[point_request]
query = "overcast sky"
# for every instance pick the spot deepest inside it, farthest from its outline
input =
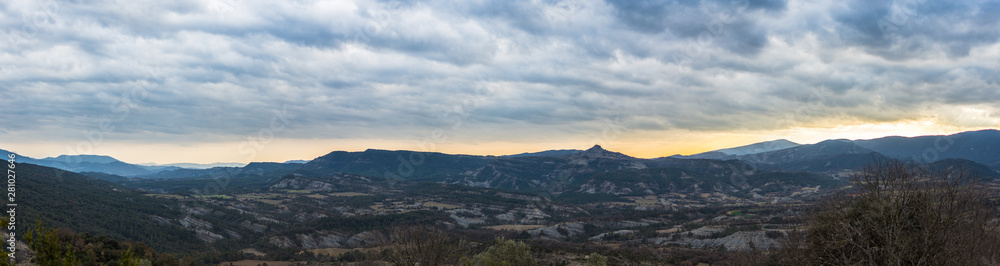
(240, 80)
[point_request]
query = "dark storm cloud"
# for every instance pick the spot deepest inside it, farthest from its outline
(647, 16)
(728, 24)
(220, 69)
(901, 30)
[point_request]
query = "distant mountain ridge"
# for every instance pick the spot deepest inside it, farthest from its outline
(732, 153)
(979, 146)
(89, 163)
(109, 165)
(195, 165)
(982, 147)
(826, 163)
(537, 174)
(548, 153)
(760, 147)
(100, 159)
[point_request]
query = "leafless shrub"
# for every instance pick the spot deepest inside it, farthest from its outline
(898, 214)
(750, 257)
(421, 246)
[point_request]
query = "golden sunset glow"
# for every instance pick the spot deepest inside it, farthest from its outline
(642, 146)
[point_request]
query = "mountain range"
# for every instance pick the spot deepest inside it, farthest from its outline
(978, 146)
(110, 165)
(196, 165)
(597, 170)
(333, 200)
(830, 156)
(91, 163)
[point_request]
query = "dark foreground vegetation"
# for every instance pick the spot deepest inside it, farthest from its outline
(898, 214)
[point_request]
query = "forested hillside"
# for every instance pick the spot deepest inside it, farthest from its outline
(88, 205)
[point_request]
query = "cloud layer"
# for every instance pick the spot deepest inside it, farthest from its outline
(496, 71)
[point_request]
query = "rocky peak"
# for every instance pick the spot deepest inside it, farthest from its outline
(598, 152)
(596, 148)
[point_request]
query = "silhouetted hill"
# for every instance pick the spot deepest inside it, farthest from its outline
(172, 166)
(115, 167)
(714, 155)
(83, 158)
(978, 146)
(548, 153)
(828, 155)
(760, 147)
(733, 153)
(393, 164)
(950, 165)
(87, 163)
(597, 152)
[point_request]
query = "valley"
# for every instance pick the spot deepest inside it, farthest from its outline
(344, 207)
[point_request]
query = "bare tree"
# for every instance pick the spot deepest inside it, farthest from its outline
(899, 214)
(421, 246)
(750, 257)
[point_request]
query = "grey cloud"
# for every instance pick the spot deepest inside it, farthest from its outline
(901, 30)
(725, 23)
(646, 16)
(768, 5)
(743, 38)
(398, 69)
(520, 14)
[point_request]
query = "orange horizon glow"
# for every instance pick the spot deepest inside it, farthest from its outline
(636, 144)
